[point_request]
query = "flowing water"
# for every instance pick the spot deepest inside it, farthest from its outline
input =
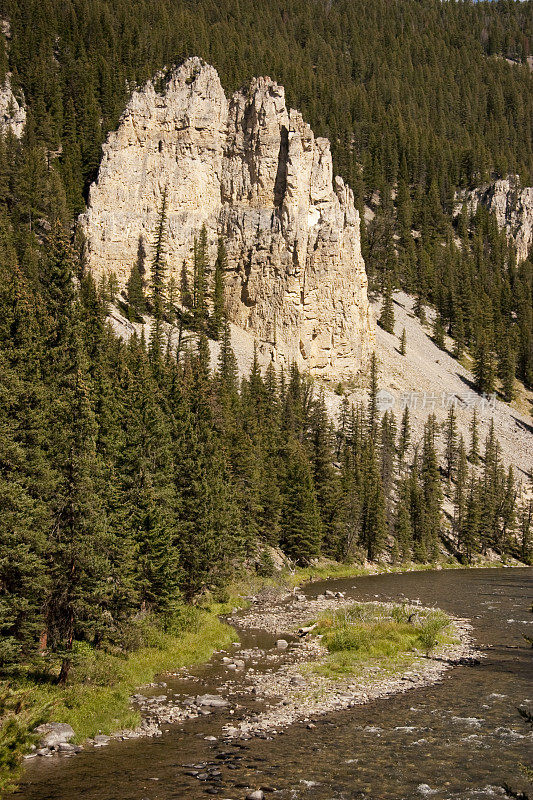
(461, 738)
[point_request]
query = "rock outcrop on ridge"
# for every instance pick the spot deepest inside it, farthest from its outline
(253, 172)
(12, 113)
(513, 206)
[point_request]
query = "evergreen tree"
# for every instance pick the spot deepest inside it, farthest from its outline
(506, 371)
(158, 278)
(484, 367)
(451, 444)
(386, 319)
(431, 519)
(471, 531)
(438, 332)
(200, 279)
(403, 343)
(135, 287)
(403, 531)
(373, 509)
(474, 439)
(460, 496)
(221, 265)
(405, 436)
(373, 398)
(300, 532)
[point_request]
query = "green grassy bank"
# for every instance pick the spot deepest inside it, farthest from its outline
(369, 635)
(96, 700)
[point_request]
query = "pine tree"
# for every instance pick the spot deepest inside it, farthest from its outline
(458, 333)
(26, 480)
(525, 524)
(460, 495)
(419, 309)
(403, 531)
(506, 371)
(227, 363)
(158, 276)
(484, 367)
(405, 436)
(403, 343)
(451, 444)
(135, 287)
(430, 529)
(200, 281)
(324, 477)
(217, 317)
(373, 509)
(388, 454)
(473, 455)
(438, 332)
(186, 299)
(373, 395)
(471, 530)
(300, 532)
(386, 319)
(77, 552)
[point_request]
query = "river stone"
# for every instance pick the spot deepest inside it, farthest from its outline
(257, 795)
(212, 701)
(54, 733)
(66, 747)
(282, 644)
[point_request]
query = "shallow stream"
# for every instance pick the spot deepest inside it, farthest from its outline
(461, 738)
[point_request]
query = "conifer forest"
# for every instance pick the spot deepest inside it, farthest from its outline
(141, 477)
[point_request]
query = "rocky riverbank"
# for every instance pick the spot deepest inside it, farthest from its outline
(283, 681)
(296, 691)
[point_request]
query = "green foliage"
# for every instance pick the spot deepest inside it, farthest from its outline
(372, 631)
(217, 317)
(403, 343)
(17, 719)
(133, 479)
(386, 319)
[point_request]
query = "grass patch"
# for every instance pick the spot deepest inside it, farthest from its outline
(96, 700)
(378, 636)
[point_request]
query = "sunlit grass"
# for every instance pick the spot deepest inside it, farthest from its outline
(378, 637)
(96, 700)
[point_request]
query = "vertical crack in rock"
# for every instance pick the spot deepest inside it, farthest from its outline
(280, 184)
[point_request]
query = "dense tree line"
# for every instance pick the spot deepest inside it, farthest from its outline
(134, 475)
(466, 269)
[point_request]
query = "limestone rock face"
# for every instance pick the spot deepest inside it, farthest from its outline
(513, 207)
(253, 172)
(12, 113)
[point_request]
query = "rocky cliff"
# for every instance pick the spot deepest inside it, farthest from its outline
(513, 207)
(253, 172)
(12, 113)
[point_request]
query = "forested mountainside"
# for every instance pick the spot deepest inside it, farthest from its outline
(132, 478)
(419, 99)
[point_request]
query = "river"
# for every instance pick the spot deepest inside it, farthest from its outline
(461, 738)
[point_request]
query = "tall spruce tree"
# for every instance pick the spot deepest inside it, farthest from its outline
(217, 317)
(386, 319)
